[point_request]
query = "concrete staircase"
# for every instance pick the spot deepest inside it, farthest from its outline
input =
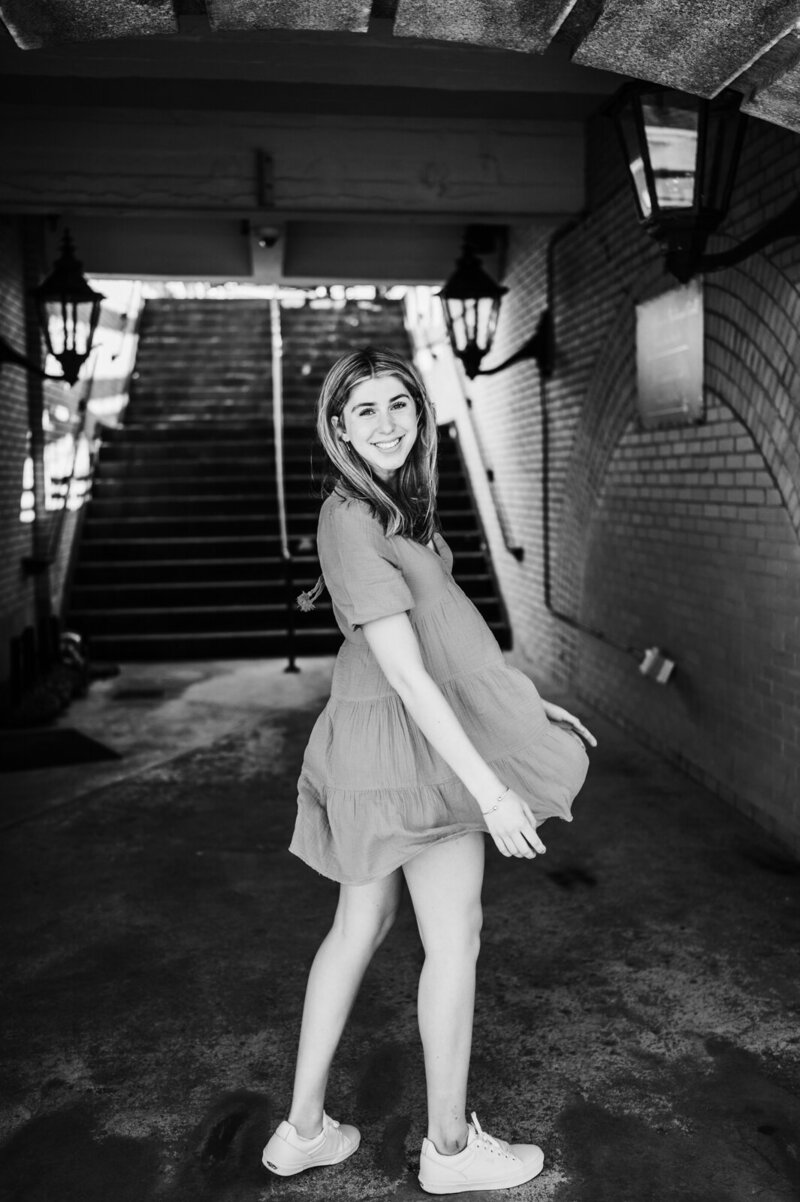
(180, 552)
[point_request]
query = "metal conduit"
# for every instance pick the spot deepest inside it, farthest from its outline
(280, 487)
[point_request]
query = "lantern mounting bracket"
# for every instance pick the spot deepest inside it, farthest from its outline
(9, 354)
(684, 249)
(540, 347)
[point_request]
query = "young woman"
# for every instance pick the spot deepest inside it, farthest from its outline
(429, 741)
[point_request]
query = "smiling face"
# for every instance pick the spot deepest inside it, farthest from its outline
(379, 421)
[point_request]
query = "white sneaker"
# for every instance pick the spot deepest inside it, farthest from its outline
(287, 1152)
(486, 1163)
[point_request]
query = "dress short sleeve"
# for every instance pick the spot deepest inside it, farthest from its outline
(360, 566)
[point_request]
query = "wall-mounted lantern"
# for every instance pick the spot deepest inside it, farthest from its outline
(682, 152)
(471, 300)
(68, 310)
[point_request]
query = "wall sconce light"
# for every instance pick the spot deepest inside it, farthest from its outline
(68, 310)
(471, 300)
(682, 152)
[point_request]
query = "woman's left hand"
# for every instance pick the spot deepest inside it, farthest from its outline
(557, 713)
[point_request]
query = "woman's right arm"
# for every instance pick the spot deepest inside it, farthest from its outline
(395, 647)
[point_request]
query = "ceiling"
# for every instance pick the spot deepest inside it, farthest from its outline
(429, 114)
(497, 54)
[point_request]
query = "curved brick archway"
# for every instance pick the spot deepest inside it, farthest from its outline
(607, 409)
(752, 343)
(752, 340)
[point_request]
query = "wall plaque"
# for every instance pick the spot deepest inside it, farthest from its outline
(669, 357)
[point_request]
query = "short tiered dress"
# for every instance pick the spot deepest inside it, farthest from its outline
(373, 792)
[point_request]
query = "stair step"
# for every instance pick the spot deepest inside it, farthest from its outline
(195, 350)
(199, 620)
(214, 331)
(110, 573)
(181, 522)
(138, 460)
(224, 395)
(147, 573)
(177, 619)
(268, 589)
(302, 487)
(132, 597)
(232, 645)
(186, 374)
(179, 429)
(100, 550)
(180, 555)
(133, 473)
(243, 546)
(184, 305)
(215, 493)
(165, 414)
(152, 508)
(164, 441)
(201, 455)
(269, 644)
(165, 488)
(200, 407)
(213, 335)
(206, 435)
(135, 431)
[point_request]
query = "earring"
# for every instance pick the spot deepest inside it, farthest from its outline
(345, 438)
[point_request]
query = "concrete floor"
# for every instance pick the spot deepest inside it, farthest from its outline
(638, 1002)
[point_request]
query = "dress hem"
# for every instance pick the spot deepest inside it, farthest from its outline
(404, 859)
(470, 830)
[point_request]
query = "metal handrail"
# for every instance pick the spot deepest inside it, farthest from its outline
(511, 545)
(485, 543)
(280, 480)
(66, 482)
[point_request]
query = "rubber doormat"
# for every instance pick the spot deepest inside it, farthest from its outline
(24, 750)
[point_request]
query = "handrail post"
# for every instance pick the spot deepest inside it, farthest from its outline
(280, 487)
(57, 532)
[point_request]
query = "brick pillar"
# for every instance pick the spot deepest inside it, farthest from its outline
(33, 260)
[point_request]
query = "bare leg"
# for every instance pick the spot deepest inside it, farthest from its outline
(363, 917)
(445, 886)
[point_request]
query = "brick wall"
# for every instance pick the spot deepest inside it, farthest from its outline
(16, 592)
(25, 601)
(705, 563)
(686, 538)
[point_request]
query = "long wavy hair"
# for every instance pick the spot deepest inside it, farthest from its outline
(408, 507)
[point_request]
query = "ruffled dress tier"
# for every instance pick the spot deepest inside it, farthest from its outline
(373, 792)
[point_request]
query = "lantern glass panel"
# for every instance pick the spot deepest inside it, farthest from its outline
(48, 322)
(454, 317)
(67, 325)
(486, 322)
(469, 308)
(473, 322)
(628, 132)
(671, 128)
(725, 126)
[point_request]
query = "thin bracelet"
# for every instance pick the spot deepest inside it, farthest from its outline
(496, 805)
